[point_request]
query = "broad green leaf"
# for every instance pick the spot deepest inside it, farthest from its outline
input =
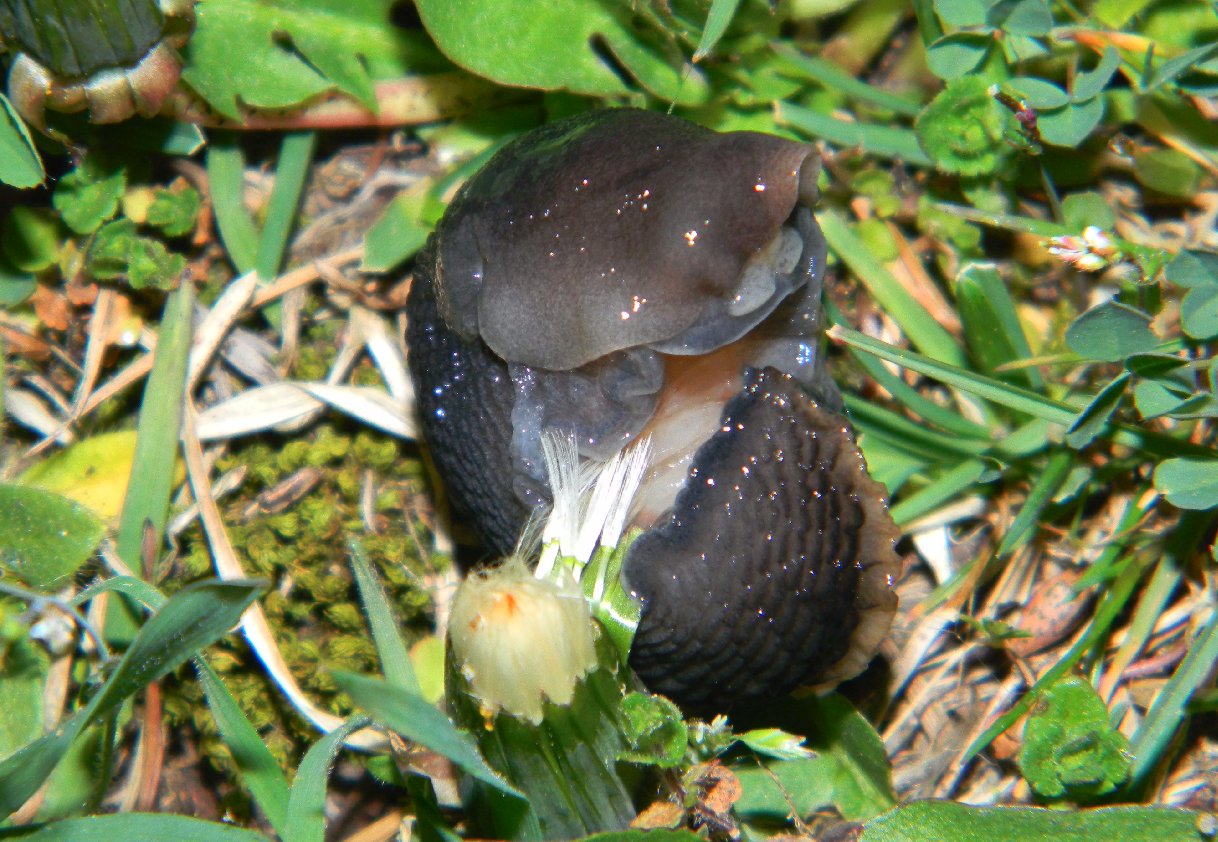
(44, 537)
(558, 45)
(88, 195)
(1039, 93)
(1168, 171)
(288, 52)
(947, 820)
(412, 717)
(23, 672)
(1154, 398)
(1188, 483)
(959, 53)
(260, 772)
(395, 659)
(776, 743)
(1093, 418)
(1199, 312)
(1071, 124)
(1091, 83)
(20, 165)
(962, 12)
(152, 266)
(30, 238)
(655, 730)
(1193, 268)
(849, 770)
(174, 211)
(110, 252)
(1110, 331)
(15, 285)
(963, 128)
(1021, 17)
(193, 618)
(306, 816)
(134, 827)
(1069, 744)
(1080, 210)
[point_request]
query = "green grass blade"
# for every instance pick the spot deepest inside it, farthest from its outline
(948, 485)
(717, 20)
(295, 154)
(135, 827)
(226, 180)
(1039, 496)
(835, 79)
(923, 331)
(1005, 221)
(156, 448)
(306, 815)
(909, 435)
(395, 659)
(260, 773)
(991, 324)
(416, 720)
(881, 141)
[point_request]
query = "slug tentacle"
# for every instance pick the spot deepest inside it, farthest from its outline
(622, 274)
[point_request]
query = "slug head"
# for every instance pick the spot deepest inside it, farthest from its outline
(623, 228)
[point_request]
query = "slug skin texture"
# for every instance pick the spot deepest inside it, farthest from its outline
(622, 274)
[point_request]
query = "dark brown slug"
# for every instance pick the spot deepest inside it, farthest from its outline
(623, 274)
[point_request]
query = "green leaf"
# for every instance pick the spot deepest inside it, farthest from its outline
(1091, 83)
(44, 537)
(849, 771)
(288, 52)
(306, 819)
(259, 771)
(1111, 331)
(15, 286)
(130, 827)
(88, 195)
(191, 619)
(110, 251)
(717, 20)
(295, 153)
(655, 730)
(991, 323)
(962, 128)
(1199, 312)
(558, 45)
(962, 12)
(1039, 93)
(23, 672)
(1093, 418)
(1069, 744)
(395, 660)
(1071, 124)
(645, 836)
(946, 820)
(20, 165)
(1193, 268)
(399, 233)
(174, 211)
(1021, 17)
(30, 238)
(412, 717)
(776, 743)
(1154, 398)
(152, 266)
(1080, 210)
(1169, 70)
(954, 55)
(1188, 483)
(1168, 171)
(881, 141)
(226, 177)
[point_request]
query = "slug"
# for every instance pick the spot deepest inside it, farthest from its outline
(621, 274)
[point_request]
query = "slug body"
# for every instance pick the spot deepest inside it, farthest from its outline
(623, 274)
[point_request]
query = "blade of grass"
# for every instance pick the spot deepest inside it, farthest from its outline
(991, 323)
(717, 20)
(295, 153)
(881, 141)
(923, 331)
(1044, 486)
(260, 773)
(1014, 397)
(947, 485)
(395, 659)
(1116, 597)
(156, 445)
(306, 813)
(909, 435)
(835, 79)
(1008, 222)
(226, 182)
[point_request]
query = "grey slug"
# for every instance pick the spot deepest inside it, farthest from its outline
(623, 273)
